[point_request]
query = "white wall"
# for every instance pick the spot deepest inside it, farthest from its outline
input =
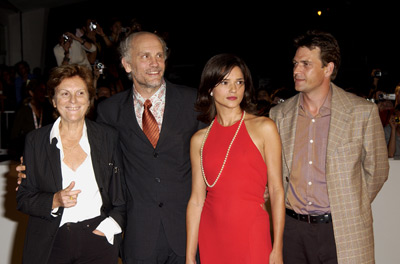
(386, 212)
(12, 222)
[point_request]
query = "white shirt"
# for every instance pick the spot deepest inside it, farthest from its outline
(89, 201)
(77, 54)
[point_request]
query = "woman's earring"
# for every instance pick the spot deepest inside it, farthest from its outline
(211, 94)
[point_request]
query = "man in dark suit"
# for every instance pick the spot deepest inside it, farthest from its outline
(158, 172)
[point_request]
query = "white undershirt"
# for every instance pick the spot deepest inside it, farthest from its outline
(89, 201)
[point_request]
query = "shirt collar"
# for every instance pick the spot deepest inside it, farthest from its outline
(55, 133)
(326, 106)
(159, 95)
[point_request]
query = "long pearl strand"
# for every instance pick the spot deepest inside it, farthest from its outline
(227, 153)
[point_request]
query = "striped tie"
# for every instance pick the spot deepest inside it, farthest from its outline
(150, 126)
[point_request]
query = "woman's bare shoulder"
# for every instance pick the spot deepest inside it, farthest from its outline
(198, 137)
(260, 122)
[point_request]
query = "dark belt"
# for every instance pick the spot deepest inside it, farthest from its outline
(89, 223)
(311, 219)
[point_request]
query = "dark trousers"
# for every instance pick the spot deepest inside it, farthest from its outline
(163, 254)
(75, 244)
(305, 243)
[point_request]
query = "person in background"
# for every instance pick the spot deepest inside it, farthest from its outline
(103, 92)
(397, 93)
(116, 32)
(334, 159)
(112, 60)
(7, 84)
(74, 186)
(392, 133)
(93, 33)
(72, 49)
(22, 79)
(263, 102)
(385, 106)
(135, 25)
(231, 160)
(34, 113)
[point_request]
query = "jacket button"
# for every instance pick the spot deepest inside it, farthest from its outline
(155, 155)
(160, 205)
(158, 180)
(287, 179)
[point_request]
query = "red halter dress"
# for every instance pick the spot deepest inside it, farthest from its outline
(234, 228)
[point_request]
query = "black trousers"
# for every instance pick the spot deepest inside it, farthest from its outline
(305, 243)
(76, 244)
(163, 254)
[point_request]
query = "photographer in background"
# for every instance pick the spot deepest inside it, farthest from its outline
(71, 49)
(397, 94)
(380, 94)
(392, 134)
(94, 34)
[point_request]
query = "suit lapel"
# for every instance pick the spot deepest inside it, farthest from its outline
(340, 117)
(128, 118)
(53, 157)
(287, 127)
(171, 112)
(95, 142)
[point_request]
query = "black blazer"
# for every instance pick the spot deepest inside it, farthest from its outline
(44, 179)
(158, 180)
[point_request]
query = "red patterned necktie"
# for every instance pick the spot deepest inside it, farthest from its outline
(149, 123)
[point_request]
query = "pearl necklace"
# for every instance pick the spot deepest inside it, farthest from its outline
(227, 152)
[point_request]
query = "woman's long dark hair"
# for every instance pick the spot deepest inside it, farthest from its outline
(213, 73)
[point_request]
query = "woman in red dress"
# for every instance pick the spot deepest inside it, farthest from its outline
(226, 215)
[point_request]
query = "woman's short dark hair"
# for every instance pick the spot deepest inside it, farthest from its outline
(59, 74)
(213, 73)
(327, 44)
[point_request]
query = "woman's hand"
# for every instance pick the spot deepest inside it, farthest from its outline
(190, 261)
(67, 197)
(276, 257)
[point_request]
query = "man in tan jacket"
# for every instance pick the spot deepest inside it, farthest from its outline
(334, 160)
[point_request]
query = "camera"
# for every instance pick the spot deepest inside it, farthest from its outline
(99, 66)
(397, 120)
(377, 74)
(387, 97)
(93, 25)
(66, 38)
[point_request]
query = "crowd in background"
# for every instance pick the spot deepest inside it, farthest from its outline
(23, 91)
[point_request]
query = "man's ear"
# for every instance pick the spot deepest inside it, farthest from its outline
(126, 65)
(329, 68)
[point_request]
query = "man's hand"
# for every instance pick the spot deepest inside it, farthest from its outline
(266, 194)
(97, 232)
(21, 175)
(392, 121)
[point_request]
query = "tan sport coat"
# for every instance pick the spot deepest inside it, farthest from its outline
(356, 167)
